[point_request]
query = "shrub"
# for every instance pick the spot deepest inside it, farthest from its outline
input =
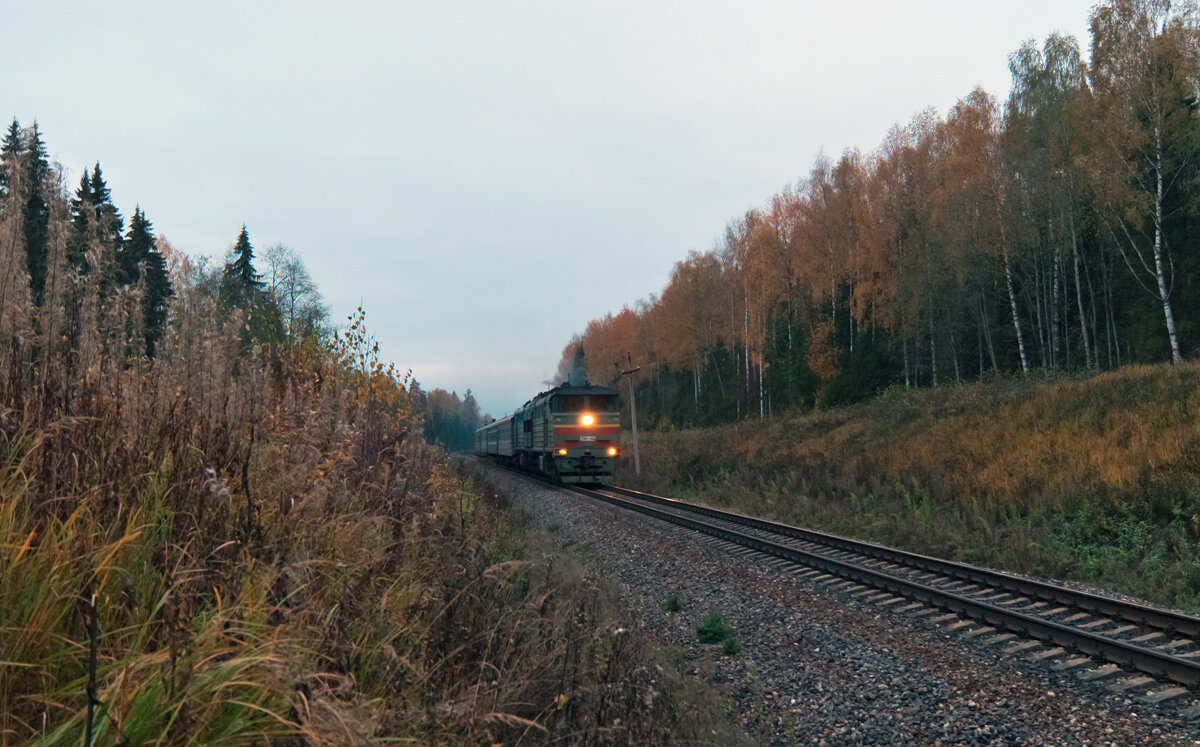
(732, 646)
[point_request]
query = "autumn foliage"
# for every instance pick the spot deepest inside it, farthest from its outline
(1050, 234)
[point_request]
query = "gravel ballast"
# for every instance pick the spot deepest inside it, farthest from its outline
(820, 666)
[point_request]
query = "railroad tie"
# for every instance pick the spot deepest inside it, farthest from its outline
(1191, 711)
(1030, 607)
(995, 598)
(1017, 648)
(1100, 672)
(1167, 694)
(1174, 644)
(1095, 624)
(1048, 654)
(1072, 663)
(1121, 686)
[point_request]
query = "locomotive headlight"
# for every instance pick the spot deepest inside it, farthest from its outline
(612, 450)
(587, 419)
(562, 452)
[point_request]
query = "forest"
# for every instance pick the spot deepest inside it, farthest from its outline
(449, 421)
(1050, 234)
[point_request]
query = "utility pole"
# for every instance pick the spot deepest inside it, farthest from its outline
(637, 460)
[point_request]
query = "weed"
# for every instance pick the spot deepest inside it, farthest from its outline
(713, 629)
(673, 653)
(671, 604)
(732, 646)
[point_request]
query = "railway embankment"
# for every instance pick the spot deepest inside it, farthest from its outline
(814, 663)
(1095, 479)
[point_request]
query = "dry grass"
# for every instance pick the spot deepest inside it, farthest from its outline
(256, 547)
(1097, 478)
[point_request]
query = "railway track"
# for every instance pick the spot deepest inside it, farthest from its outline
(1077, 627)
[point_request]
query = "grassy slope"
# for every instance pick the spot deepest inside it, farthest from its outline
(1096, 479)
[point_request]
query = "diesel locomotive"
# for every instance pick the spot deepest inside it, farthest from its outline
(571, 433)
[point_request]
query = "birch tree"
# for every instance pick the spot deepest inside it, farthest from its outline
(1144, 75)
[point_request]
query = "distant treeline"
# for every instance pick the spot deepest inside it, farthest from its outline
(1055, 233)
(449, 420)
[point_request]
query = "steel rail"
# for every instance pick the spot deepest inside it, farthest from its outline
(1164, 620)
(1145, 659)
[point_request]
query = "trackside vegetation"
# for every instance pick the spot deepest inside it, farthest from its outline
(220, 522)
(1092, 478)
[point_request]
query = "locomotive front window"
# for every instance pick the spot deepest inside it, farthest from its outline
(575, 403)
(585, 403)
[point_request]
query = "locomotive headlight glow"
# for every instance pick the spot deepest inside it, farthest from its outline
(612, 450)
(562, 452)
(587, 419)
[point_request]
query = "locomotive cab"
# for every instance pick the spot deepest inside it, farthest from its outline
(586, 425)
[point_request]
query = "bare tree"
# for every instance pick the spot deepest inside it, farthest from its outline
(293, 289)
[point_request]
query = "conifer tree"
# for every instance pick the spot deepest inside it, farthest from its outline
(138, 241)
(140, 259)
(154, 302)
(36, 212)
(240, 283)
(10, 155)
(243, 287)
(111, 224)
(82, 208)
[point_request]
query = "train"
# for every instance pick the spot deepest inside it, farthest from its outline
(570, 433)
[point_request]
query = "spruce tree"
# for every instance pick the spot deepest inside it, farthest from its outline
(154, 302)
(140, 258)
(10, 155)
(137, 244)
(110, 222)
(36, 213)
(94, 215)
(82, 209)
(240, 284)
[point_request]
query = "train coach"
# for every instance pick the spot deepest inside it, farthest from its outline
(571, 433)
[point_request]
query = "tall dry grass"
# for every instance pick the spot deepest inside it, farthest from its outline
(247, 543)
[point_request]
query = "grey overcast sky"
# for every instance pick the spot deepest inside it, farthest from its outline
(485, 177)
